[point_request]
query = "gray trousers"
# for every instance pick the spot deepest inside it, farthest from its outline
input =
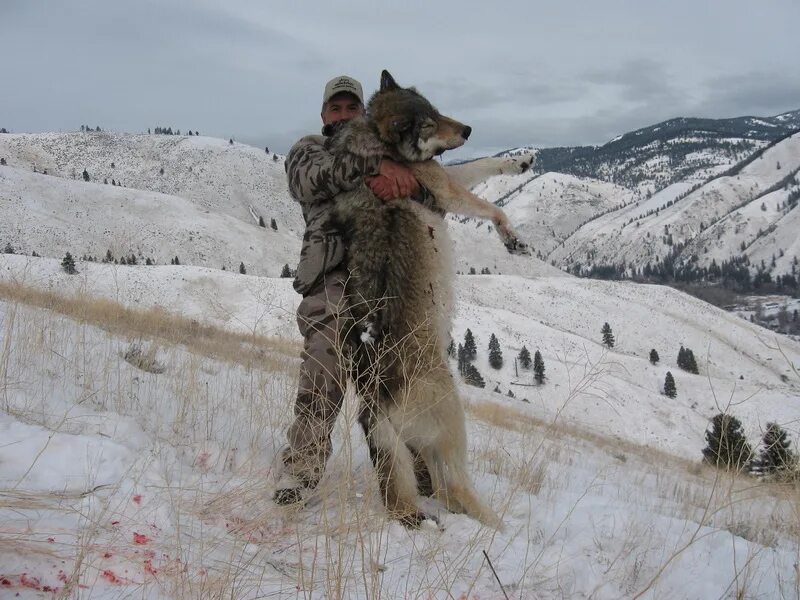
(324, 321)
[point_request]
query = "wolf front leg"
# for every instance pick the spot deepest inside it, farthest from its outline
(454, 198)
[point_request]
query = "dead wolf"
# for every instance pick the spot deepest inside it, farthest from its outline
(400, 291)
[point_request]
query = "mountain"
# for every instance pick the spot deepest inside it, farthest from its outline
(687, 193)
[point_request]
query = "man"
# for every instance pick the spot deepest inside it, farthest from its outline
(315, 178)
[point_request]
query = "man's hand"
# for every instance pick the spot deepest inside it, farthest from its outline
(393, 181)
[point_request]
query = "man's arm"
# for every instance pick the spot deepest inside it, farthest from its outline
(317, 175)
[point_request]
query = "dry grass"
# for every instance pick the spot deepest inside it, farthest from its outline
(157, 323)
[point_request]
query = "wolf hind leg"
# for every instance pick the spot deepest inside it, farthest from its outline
(394, 465)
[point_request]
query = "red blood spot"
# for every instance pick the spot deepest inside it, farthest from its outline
(5, 581)
(109, 576)
(137, 498)
(115, 522)
(51, 540)
(29, 582)
(107, 555)
(149, 553)
(62, 576)
(148, 567)
(47, 588)
(140, 538)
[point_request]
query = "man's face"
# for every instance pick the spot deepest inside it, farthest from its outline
(341, 107)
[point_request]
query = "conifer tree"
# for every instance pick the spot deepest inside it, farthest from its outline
(495, 354)
(524, 358)
(538, 367)
(86, 175)
(3, 161)
(776, 455)
(177, 262)
(608, 335)
(109, 258)
(691, 363)
(286, 271)
(669, 386)
(470, 348)
(9, 249)
(472, 376)
(461, 359)
(261, 222)
(727, 447)
(274, 224)
(654, 358)
(68, 264)
(451, 349)
(242, 270)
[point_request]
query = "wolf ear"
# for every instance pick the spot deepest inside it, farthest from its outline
(387, 82)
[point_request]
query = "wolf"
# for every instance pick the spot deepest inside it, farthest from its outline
(400, 293)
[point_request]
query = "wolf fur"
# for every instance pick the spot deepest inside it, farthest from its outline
(400, 290)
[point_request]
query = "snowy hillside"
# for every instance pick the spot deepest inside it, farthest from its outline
(645, 233)
(52, 216)
(152, 477)
(214, 174)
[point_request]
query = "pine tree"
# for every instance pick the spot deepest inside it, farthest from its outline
(669, 386)
(470, 348)
(68, 264)
(177, 262)
(274, 158)
(261, 222)
(654, 356)
(524, 358)
(109, 258)
(161, 171)
(85, 175)
(495, 354)
(682, 358)
(538, 367)
(776, 455)
(230, 141)
(727, 447)
(461, 359)
(451, 349)
(274, 224)
(286, 271)
(608, 336)
(473, 377)
(9, 249)
(3, 161)
(242, 270)
(691, 363)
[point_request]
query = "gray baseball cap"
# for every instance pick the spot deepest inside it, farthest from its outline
(340, 84)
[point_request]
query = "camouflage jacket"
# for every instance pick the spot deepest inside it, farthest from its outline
(316, 176)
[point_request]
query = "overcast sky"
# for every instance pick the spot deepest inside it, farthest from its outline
(520, 72)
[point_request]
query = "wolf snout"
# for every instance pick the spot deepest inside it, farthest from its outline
(466, 131)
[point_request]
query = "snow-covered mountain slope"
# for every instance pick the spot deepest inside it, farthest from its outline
(52, 216)
(157, 482)
(216, 175)
(546, 209)
(561, 316)
(153, 480)
(643, 234)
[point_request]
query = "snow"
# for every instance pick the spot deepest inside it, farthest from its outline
(122, 481)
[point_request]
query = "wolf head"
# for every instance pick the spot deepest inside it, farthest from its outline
(409, 123)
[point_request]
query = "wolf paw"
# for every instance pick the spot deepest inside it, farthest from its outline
(416, 519)
(514, 245)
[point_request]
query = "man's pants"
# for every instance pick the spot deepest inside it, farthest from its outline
(324, 321)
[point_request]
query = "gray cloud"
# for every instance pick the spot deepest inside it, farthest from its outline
(565, 73)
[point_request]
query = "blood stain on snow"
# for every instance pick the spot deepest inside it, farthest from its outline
(148, 567)
(140, 538)
(137, 499)
(111, 577)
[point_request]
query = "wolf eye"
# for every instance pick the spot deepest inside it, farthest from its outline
(428, 126)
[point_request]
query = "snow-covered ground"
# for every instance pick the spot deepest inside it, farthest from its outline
(121, 477)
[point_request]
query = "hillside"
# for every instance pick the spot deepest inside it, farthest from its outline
(153, 477)
(647, 232)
